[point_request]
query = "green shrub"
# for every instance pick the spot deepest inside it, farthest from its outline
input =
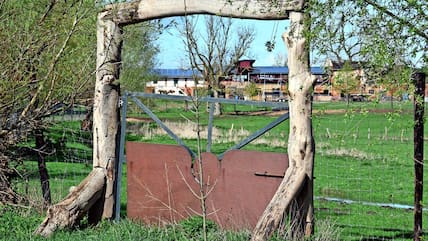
(193, 226)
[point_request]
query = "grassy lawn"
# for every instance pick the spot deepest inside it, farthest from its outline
(363, 169)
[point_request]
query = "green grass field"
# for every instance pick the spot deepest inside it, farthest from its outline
(363, 170)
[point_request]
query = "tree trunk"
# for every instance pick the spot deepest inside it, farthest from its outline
(75, 205)
(297, 185)
(43, 171)
(106, 110)
(95, 194)
(7, 194)
(217, 106)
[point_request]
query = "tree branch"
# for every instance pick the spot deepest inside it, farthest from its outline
(410, 25)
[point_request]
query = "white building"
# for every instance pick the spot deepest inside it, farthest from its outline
(173, 80)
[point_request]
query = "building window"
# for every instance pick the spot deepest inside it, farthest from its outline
(175, 81)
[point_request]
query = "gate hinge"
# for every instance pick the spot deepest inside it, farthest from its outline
(120, 103)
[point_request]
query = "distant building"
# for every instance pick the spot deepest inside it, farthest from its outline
(360, 87)
(271, 81)
(172, 79)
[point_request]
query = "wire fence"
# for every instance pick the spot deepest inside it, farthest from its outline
(66, 153)
(364, 169)
(364, 166)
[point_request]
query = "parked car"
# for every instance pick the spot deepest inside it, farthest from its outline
(358, 98)
(280, 99)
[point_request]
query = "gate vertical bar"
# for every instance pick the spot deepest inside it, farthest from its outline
(418, 132)
(210, 127)
(121, 156)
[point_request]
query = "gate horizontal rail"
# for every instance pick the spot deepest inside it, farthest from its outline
(208, 99)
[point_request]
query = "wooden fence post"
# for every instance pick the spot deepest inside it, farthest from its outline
(418, 132)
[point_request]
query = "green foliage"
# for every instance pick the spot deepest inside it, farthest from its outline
(14, 217)
(381, 33)
(47, 62)
(47, 59)
(193, 226)
(388, 38)
(346, 80)
(47, 52)
(251, 90)
(138, 55)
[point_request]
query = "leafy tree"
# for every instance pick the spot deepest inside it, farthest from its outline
(47, 61)
(336, 32)
(346, 81)
(383, 34)
(251, 89)
(392, 38)
(139, 51)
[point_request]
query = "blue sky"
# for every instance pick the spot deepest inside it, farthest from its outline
(171, 46)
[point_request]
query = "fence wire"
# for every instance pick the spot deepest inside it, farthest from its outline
(67, 152)
(365, 170)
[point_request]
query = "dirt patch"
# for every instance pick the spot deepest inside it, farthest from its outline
(139, 119)
(276, 113)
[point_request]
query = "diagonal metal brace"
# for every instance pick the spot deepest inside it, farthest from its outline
(163, 126)
(256, 134)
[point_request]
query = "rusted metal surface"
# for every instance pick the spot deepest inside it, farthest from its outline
(160, 179)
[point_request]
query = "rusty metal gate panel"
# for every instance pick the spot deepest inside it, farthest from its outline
(160, 178)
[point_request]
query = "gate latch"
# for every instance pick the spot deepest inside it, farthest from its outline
(268, 174)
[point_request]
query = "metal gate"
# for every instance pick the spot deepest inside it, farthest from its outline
(159, 181)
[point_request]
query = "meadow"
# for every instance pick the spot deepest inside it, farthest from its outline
(363, 170)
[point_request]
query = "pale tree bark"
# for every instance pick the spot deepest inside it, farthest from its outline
(295, 193)
(132, 12)
(95, 194)
(75, 205)
(106, 109)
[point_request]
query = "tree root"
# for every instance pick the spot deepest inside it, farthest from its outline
(288, 191)
(75, 205)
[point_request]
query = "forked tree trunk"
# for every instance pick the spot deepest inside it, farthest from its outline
(295, 193)
(95, 194)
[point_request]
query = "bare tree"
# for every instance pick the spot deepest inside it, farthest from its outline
(215, 52)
